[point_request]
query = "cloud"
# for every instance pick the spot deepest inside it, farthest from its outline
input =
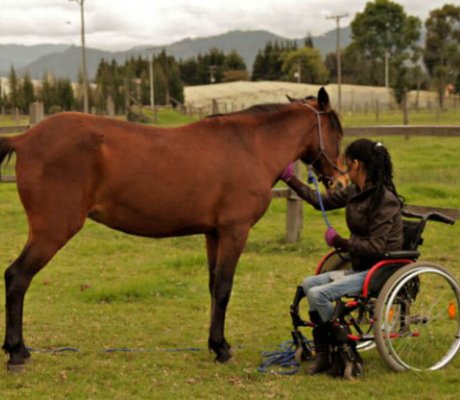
(121, 24)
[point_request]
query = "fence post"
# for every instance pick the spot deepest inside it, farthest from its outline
(110, 106)
(294, 213)
(36, 113)
(214, 107)
(377, 110)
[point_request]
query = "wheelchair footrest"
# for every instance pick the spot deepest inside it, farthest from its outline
(360, 338)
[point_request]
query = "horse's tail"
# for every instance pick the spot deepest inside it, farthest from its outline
(6, 150)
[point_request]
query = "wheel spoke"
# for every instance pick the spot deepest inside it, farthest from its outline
(417, 330)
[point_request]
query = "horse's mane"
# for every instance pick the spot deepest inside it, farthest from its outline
(253, 110)
(271, 107)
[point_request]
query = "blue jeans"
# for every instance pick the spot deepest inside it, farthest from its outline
(322, 290)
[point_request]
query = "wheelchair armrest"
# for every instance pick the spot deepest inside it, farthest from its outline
(393, 255)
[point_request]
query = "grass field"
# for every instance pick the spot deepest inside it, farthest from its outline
(422, 117)
(109, 290)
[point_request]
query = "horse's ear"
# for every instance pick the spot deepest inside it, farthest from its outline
(291, 100)
(323, 99)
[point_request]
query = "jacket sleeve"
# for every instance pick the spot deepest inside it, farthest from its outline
(380, 225)
(334, 199)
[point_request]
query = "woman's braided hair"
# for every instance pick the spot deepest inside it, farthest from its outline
(379, 167)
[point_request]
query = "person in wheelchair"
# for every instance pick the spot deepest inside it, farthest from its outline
(373, 216)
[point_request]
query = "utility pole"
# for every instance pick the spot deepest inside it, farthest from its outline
(152, 91)
(81, 3)
(212, 70)
(387, 55)
(339, 64)
(387, 74)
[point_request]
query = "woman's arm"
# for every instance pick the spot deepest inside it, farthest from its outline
(332, 200)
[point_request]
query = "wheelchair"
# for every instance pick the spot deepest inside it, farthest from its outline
(408, 309)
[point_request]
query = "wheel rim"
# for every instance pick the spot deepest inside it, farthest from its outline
(423, 332)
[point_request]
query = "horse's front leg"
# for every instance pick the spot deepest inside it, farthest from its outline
(230, 245)
(212, 243)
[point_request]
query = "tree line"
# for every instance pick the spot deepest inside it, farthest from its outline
(127, 83)
(384, 37)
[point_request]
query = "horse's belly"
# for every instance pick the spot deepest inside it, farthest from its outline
(154, 221)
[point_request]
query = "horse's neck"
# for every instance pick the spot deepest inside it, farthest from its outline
(284, 140)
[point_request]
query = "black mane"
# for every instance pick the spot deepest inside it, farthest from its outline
(253, 110)
(270, 107)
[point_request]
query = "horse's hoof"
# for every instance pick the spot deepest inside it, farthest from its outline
(224, 355)
(223, 358)
(15, 368)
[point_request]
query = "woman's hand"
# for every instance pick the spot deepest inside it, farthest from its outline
(288, 172)
(333, 239)
(330, 236)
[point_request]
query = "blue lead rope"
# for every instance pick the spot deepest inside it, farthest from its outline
(281, 362)
(112, 350)
(312, 179)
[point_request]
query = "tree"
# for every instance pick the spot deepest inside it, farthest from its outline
(269, 61)
(442, 47)
(176, 88)
(308, 41)
(189, 71)
(401, 87)
(331, 63)
(214, 65)
(14, 95)
(308, 61)
(358, 69)
(56, 94)
(64, 94)
(28, 92)
(383, 27)
(46, 92)
(234, 62)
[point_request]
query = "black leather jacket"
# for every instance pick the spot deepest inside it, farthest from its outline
(371, 233)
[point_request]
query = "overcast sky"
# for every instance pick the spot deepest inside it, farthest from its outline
(122, 24)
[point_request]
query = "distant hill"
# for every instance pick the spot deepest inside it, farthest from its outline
(64, 61)
(20, 55)
(67, 64)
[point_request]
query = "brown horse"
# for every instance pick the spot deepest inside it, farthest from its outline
(212, 177)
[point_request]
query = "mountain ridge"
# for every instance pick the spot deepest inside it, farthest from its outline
(64, 60)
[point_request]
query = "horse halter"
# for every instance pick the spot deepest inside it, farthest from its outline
(322, 151)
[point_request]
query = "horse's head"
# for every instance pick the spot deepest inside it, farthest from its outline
(323, 151)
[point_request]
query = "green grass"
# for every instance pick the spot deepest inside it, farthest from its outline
(10, 120)
(109, 290)
(421, 117)
(169, 117)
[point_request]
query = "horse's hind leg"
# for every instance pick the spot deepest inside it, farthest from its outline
(230, 246)
(18, 276)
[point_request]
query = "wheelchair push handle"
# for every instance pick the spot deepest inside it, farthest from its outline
(431, 216)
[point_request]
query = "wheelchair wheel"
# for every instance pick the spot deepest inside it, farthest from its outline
(417, 322)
